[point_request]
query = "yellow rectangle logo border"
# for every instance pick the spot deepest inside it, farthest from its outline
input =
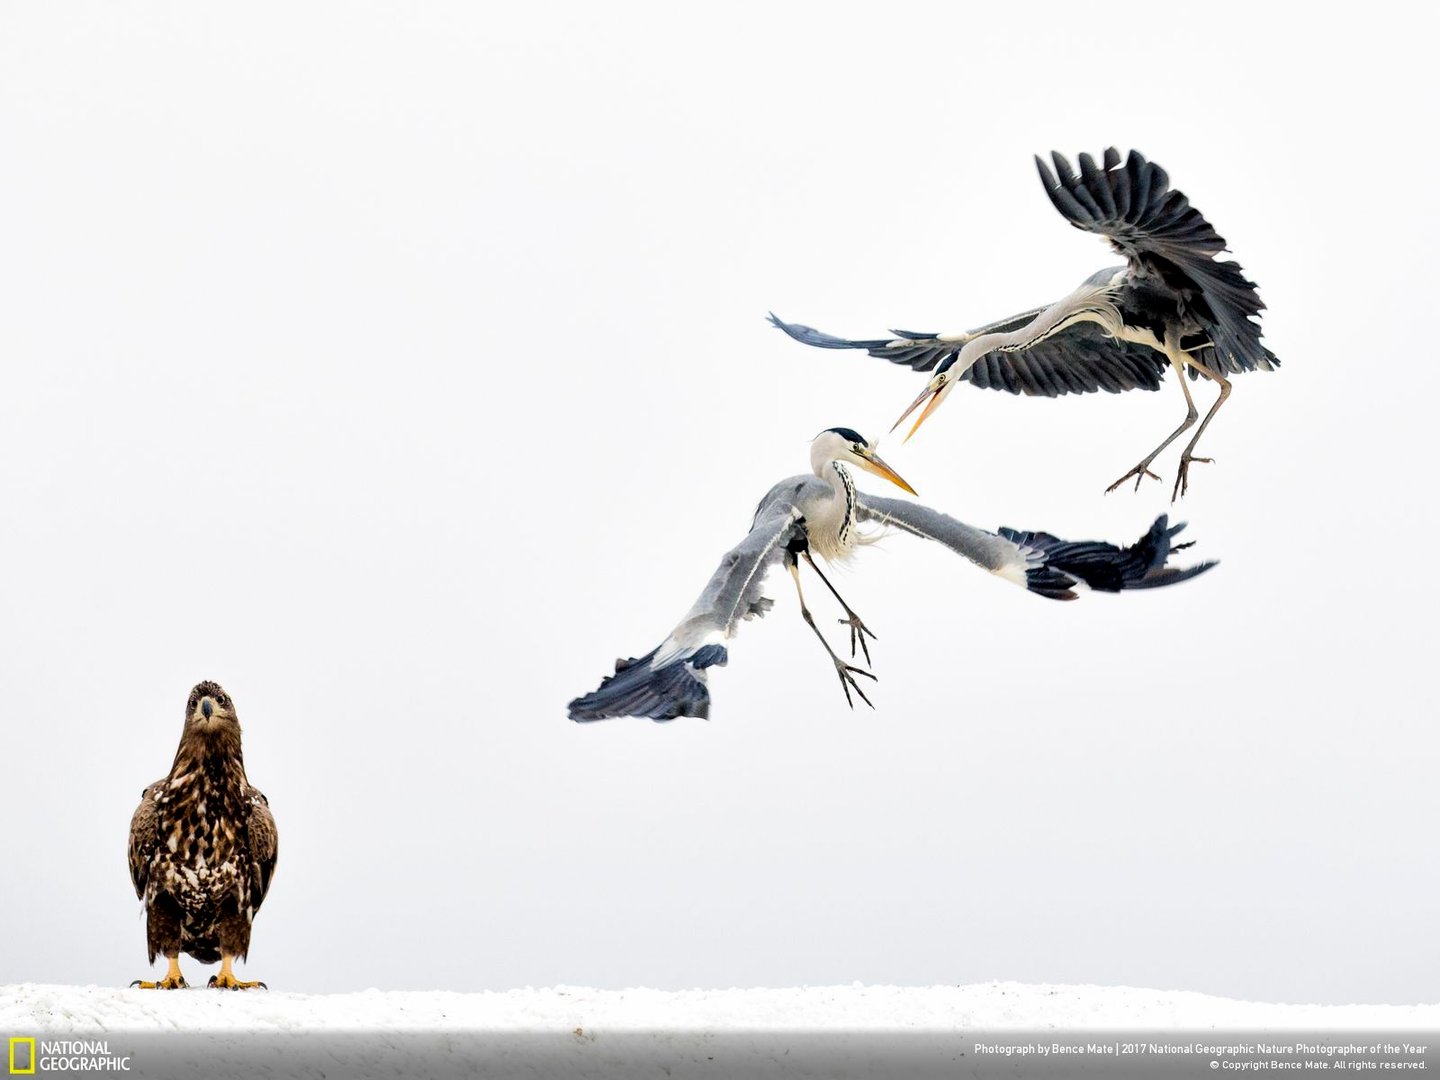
(14, 1041)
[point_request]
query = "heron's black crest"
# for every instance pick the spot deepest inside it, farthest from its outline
(849, 434)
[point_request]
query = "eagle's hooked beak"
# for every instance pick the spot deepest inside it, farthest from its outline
(207, 706)
(931, 392)
(870, 461)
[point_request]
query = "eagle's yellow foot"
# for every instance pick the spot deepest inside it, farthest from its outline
(230, 982)
(226, 979)
(173, 980)
(177, 983)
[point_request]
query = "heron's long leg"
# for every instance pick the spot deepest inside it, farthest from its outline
(1178, 361)
(858, 629)
(1182, 478)
(846, 672)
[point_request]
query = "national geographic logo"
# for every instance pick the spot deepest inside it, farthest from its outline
(62, 1055)
(22, 1055)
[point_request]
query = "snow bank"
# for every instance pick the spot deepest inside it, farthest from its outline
(999, 1029)
(990, 1006)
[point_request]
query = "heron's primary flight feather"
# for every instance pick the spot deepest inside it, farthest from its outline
(1166, 239)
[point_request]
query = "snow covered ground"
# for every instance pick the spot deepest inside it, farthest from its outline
(573, 1031)
(59, 1009)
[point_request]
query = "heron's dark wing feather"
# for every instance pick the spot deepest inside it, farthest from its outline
(1044, 564)
(922, 352)
(264, 846)
(1108, 568)
(1079, 359)
(1167, 241)
(670, 680)
(144, 836)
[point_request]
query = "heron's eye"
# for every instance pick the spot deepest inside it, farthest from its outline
(859, 448)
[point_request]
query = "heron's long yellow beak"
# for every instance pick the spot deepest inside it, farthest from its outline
(928, 392)
(872, 463)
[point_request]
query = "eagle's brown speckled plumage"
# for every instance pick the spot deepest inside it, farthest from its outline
(203, 842)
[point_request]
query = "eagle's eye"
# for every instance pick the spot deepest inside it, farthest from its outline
(222, 700)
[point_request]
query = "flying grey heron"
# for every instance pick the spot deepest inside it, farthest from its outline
(822, 513)
(1175, 304)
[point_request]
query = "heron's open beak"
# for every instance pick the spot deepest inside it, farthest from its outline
(871, 463)
(928, 392)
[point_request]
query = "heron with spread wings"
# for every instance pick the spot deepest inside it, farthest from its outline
(823, 513)
(1174, 304)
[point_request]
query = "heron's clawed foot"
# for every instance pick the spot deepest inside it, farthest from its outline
(1182, 477)
(1139, 472)
(847, 673)
(858, 631)
(175, 982)
(228, 981)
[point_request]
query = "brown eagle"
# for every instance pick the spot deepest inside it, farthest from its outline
(203, 847)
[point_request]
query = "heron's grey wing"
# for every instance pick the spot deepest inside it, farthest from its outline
(921, 352)
(1079, 359)
(670, 680)
(144, 836)
(1166, 240)
(264, 847)
(1042, 563)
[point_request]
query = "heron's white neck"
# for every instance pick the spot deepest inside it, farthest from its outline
(837, 475)
(835, 531)
(1089, 303)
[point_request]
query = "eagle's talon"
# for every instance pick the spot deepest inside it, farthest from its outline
(168, 983)
(226, 980)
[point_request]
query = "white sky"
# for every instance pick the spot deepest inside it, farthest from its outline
(401, 368)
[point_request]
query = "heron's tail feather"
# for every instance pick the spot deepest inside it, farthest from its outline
(675, 688)
(1103, 567)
